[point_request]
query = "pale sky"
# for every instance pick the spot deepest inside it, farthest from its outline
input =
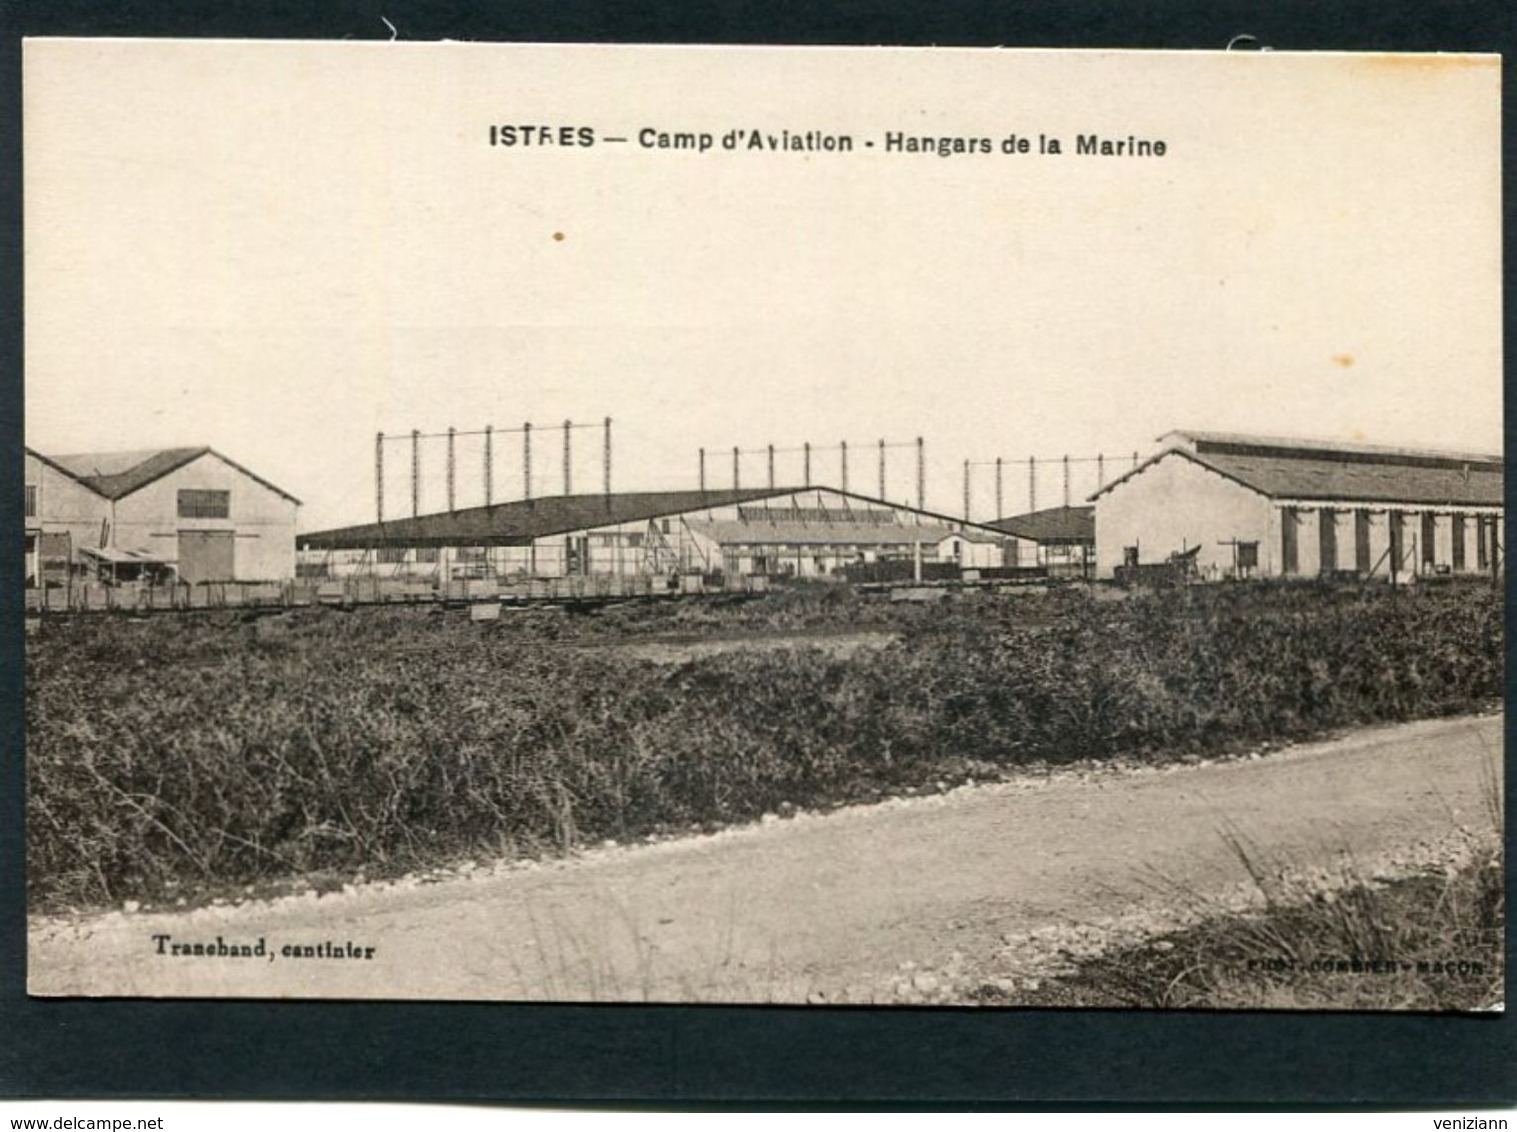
(281, 249)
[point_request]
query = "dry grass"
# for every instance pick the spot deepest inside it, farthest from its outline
(170, 758)
(1341, 940)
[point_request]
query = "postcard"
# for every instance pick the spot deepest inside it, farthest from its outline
(825, 526)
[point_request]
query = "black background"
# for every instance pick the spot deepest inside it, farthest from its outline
(700, 1056)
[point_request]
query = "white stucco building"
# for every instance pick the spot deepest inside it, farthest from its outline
(191, 511)
(1249, 506)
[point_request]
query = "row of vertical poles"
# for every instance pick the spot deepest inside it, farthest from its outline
(806, 481)
(488, 478)
(1065, 462)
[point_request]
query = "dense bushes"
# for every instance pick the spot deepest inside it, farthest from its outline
(173, 755)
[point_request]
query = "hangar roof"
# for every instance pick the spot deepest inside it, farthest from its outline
(116, 475)
(1244, 443)
(1312, 470)
(520, 521)
(1056, 526)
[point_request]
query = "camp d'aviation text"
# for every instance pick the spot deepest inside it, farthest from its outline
(821, 141)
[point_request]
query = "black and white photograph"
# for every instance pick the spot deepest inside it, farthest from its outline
(893, 527)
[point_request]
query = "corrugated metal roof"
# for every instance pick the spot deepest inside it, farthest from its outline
(1236, 443)
(1325, 479)
(520, 521)
(116, 475)
(1053, 525)
(732, 532)
(1410, 478)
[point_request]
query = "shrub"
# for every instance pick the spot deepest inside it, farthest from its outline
(175, 754)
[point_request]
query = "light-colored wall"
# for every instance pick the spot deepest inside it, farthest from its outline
(1443, 550)
(262, 519)
(1308, 545)
(65, 505)
(1309, 553)
(969, 554)
(1175, 504)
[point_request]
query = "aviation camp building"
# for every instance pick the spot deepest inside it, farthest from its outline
(1250, 506)
(1058, 540)
(806, 532)
(185, 513)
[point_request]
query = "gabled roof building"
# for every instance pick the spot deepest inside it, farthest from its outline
(808, 532)
(191, 511)
(1252, 506)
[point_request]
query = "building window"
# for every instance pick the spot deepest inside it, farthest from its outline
(1248, 556)
(1482, 544)
(31, 501)
(200, 503)
(392, 555)
(426, 554)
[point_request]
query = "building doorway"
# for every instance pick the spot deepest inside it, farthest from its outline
(1327, 528)
(207, 556)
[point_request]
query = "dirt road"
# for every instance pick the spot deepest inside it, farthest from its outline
(849, 906)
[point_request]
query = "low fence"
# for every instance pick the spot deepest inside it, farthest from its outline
(88, 597)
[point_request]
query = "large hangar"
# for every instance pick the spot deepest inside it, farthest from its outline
(800, 532)
(1250, 506)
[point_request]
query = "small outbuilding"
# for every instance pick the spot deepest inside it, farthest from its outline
(1060, 540)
